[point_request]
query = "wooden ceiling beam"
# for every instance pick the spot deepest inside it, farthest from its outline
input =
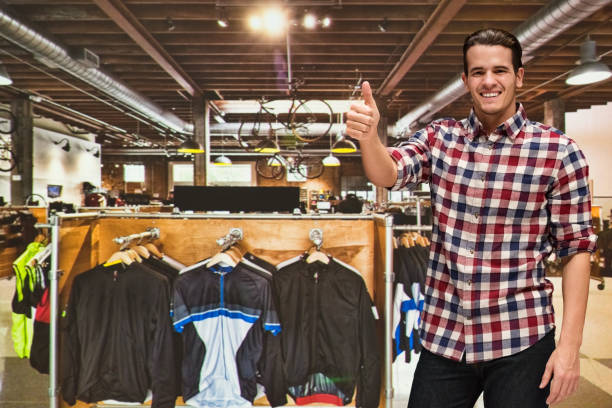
(122, 16)
(442, 15)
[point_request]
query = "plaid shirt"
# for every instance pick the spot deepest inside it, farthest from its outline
(502, 203)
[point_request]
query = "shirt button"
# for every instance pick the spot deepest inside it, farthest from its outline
(469, 282)
(482, 178)
(490, 146)
(476, 216)
(471, 252)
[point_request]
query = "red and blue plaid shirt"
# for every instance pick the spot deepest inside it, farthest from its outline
(502, 203)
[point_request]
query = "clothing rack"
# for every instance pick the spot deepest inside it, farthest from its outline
(383, 230)
(230, 239)
(150, 233)
(316, 236)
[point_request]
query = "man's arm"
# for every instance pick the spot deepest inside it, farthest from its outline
(564, 363)
(361, 124)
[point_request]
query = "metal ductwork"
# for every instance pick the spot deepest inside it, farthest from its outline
(546, 24)
(27, 38)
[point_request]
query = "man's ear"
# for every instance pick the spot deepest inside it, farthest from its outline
(520, 74)
(464, 79)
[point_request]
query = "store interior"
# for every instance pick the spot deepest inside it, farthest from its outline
(197, 117)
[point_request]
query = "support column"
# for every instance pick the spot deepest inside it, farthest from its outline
(23, 148)
(201, 134)
(554, 113)
(382, 193)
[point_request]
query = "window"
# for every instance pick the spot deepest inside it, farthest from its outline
(234, 175)
(134, 173)
(182, 174)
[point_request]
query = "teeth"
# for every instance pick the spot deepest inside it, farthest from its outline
(489, 95)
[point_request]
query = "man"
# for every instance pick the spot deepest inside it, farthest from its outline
(506, 192)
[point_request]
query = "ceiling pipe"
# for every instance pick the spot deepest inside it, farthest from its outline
(550, 21)
(217, 150)
(27, 38)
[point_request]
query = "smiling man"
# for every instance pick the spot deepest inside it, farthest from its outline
(506, 193)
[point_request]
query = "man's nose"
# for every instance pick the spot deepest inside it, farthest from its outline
(489, 78)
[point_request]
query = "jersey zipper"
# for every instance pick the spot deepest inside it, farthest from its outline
(315, 313)
(222, 301)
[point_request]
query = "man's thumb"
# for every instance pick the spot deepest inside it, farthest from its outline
(366, 94)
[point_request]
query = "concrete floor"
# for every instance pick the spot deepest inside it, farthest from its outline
(23, 387)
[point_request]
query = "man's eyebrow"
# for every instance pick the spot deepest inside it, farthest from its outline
(495, 67)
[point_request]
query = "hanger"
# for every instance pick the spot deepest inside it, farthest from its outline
(133, 255)
(153, 250)
(221, 257)
(407, 241)
(142, 251)
(316, 255)
(41, 238)
(119, 257)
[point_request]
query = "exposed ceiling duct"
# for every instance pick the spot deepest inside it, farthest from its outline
(546, 24)
(27, 38)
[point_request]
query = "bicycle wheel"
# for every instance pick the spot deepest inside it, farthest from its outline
(251, 134)
(310, 167)
(8, 121)
(311, 120)
(269, 167)
(7, 159)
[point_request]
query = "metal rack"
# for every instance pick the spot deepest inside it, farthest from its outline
(234, 235)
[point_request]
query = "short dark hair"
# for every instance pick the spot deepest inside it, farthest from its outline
(494, 36)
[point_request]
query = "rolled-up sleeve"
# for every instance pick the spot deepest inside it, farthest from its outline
(413, 159)
(569, 204)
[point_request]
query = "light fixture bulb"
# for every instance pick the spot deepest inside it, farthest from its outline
(5, 78)
(310, 21)
(326, 22)
(255, 23)
(274, 21)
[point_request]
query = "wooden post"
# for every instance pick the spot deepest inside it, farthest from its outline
(201, 132)
(554, 113)
(381, 192)
(23, 142)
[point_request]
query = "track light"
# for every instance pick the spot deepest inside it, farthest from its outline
(222, 160)
(326, 22)
(310, 21)
(170, 24)
(222, 20)
(383, 26)
(190, 146)
(590, 70)
(5, 79)
(66, 146)
(95, 150)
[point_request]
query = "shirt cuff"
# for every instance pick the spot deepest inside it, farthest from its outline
(586, 244)
(397, 154)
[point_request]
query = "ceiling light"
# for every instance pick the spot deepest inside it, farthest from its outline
(326, 22)
(255, 23)
(310, 21)
(343, 145)
(190, 146)
(267, 146)
(66, 146)
(222, 160)
(274, 21)
(383, 26)
(331, 161)
(276, 161)
(170, 24)
(5, 79)
(222, 20)
(95, 151)
(590, 70)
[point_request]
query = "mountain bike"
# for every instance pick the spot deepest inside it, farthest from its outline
(8, 124)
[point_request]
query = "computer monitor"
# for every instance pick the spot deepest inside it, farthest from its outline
(54, 190)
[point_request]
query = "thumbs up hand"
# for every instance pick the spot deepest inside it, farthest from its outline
(363, 116)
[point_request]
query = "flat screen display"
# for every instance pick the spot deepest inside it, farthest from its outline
(236, 199)
(54, 190)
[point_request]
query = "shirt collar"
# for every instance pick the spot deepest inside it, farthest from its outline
(510, 128)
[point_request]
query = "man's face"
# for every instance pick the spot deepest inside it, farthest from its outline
(492, 83)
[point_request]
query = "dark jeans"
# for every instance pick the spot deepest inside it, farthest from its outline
(507, 382)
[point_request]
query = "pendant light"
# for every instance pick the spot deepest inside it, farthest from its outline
(190, 146)
(343, 145)
(590, 69)
(331, 160)
(222, 160)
